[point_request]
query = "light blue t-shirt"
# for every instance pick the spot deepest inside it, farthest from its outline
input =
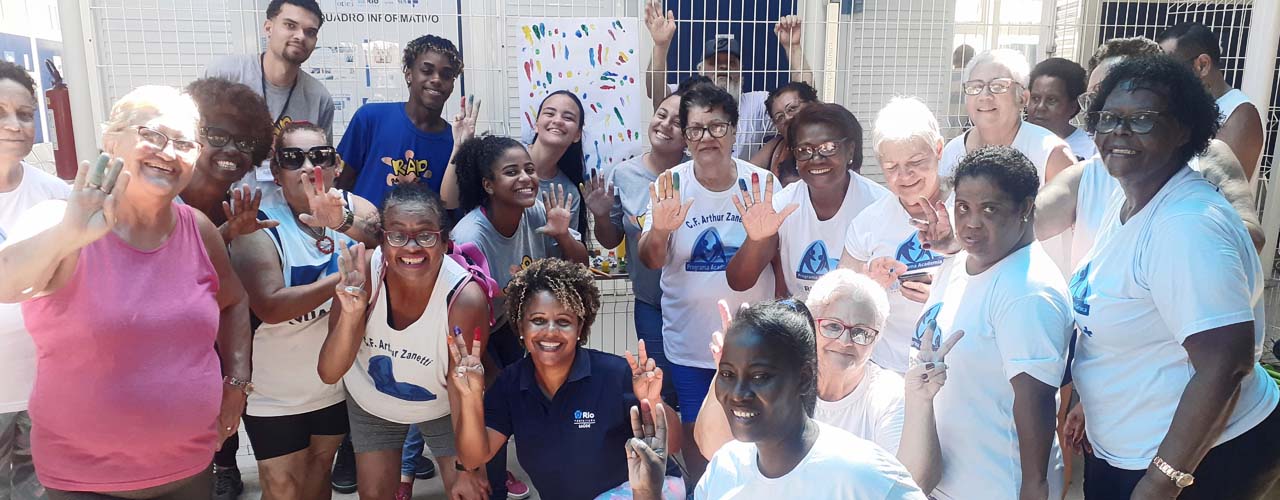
(386, 148)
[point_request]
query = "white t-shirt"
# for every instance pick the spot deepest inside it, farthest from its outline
(810, 247)
(1092, 197)
(1017, 319)
(884, 229)
(1182, 265)
(839, 466)
(873, 411)
(17, 352)
(694, 273)
(1081, 144)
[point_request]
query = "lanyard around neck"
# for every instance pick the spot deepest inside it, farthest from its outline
(262, 65)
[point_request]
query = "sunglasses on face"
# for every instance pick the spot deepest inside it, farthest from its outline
(996, 86)
(424, 239)
(834, 329)
(716, 130)
(1106, 122)
(824, 150)
(218, 138)
(158, 139)
(295, 158)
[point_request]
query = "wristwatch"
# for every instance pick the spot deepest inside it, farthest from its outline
(1182, 479)
(243, 385)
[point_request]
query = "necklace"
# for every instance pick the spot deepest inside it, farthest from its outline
(323, 242)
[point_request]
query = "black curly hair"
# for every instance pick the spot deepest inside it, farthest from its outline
(1004, 166)
(710, 97)
(431, 43)
(1186, 100)
(571, 284)
(242, 105)
(1123, 47)
(787, 325)
(803, 90)
(1193, 39)
(273, 8)
(837, 118)
(11, 71)
(416, 193)
(1071, 74)
(475, 161)
(693, 81)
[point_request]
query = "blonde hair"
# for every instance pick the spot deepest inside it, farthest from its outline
(845, 285)
(147, 102)
(905, 118)
(1012, 60)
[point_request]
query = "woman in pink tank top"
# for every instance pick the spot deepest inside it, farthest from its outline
(127, 293)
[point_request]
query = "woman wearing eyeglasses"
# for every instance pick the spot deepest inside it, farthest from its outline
(1168, 303)
(691, 232)
(783, 104)
(127, 294)
(294, 420)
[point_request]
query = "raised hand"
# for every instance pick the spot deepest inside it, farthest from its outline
(646, 377)
(600, 195)
(94, 199)
(789, 31)
(242, 214)
(647, 451)
(936, 232)
(662, 28)
(326, 206)
(353, 265)
(928, 370)
(468, 373)
(464, 123)
(885, 271)
(759, 218)
(717, 338)
(664, 196)
(1073, 430)
(557, 202)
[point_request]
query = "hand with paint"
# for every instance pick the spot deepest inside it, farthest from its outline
(600, 195)
(241, 212)
(885, 271)
(759, 218)
(325, 205)
(464, 123)
(667, 211)
(928, 370)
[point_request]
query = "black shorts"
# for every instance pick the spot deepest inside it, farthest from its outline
(273, 437)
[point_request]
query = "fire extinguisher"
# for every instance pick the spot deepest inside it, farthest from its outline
(58, 100)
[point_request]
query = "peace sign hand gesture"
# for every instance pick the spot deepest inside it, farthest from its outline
(94, 199)
(557, 203)
(353, 266)
(647, 451)
(928, 370)
(759, 218)
(242, 214)
(661, 27)
(468, 372)
(326, 206)
(646, 377)
(464, 123)
(600, 194)
(664, 197)
(936, 232)
(717, 338)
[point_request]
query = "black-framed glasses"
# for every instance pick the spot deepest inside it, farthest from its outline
(1086, 99)
(424, 239)
(158, 139)
(716, 130)
(824, 150)
(834, 329)
(295, 158)
(1106, 122)
(219, 138)
(996, 86)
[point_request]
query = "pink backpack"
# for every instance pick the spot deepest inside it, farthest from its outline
(469, 256)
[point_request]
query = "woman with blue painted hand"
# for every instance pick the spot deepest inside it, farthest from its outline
(387, 342)
(1175, 402)
(997, 412)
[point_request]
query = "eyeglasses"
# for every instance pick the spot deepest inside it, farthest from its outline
(218, 138)
(834, 329)
(1106, 122)
(158, 139)
(824, 150)
(717, 130)
(787, 112)
(1086, 99)
(425, 239)
(295, 158)
(996, 86)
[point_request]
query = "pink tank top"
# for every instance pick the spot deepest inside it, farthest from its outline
(128, 386)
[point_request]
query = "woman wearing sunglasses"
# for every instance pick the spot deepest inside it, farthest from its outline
(388, 339)
(294, 420)
(127, 295)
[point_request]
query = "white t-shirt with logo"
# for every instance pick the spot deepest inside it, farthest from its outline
(693, 275)
(17, 352)
(884, 229)
(839, 466)
(1017, 319)
(1182, 265)
(874, 411)
(810, 247)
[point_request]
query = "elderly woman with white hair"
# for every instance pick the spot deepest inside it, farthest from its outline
(856, 395)
(126, 294)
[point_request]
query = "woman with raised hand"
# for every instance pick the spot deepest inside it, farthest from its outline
(146, 282)
(571, 451)
(388, 344)
(784, 104)
(1175, 402)
(767, 384)
(690, 233)
(1009, 298)
(881, 242)
(804, 223)
(295, 421)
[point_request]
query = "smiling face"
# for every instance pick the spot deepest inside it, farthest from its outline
(819, 171)
(785, 107)
(839, 355)
(758, 388)
(411, 261)
(710, 150)
(513, 180)
(1130, 155)
(431, 80)
(293, 33)
(988, 222)
(910, 169)
(227, 164)
(559, 121)
(17, 121)
(1049, 106)
(994, 111)
(550, 330)
(664, 128)
(157, 168)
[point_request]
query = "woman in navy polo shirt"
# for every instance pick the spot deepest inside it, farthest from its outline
(566, 405)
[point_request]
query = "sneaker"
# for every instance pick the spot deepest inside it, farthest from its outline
(405, 492)
(426, 468)
(226, 483)
(344, 470)
(516, 488)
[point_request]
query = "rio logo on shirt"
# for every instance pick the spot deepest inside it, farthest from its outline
(815, 262)
(709, 253)
(583, 419)
(406, 170)
(915, 256)
(930, 316)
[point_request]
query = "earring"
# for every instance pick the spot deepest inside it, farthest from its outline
(1026, 218)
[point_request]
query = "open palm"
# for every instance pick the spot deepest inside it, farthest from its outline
(759, 219)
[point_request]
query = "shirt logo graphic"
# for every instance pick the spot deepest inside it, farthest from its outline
(583, 419)
(709, 253)
(815, 262)
(384, 379)
(914, 255)
(1080, 290)
(406, 170)
(930, 316)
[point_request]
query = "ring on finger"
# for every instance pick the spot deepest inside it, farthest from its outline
(354, 290)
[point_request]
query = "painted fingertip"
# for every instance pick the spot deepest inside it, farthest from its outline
(742, 184)
(928, 366)
(755, 178)
(675, 180)
(457, 331)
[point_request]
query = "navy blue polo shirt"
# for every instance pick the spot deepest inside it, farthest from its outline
(573, 446)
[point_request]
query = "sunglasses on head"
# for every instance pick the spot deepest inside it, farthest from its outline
(295, 158)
